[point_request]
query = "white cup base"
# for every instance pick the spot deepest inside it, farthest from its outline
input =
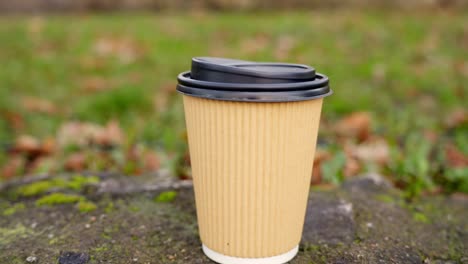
(223, 259)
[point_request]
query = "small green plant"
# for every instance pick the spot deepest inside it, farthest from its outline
(166, 197)
(411, 165)
(455, 179)
(86, 206)
(420, 217)
(333, 169)
(109, 208)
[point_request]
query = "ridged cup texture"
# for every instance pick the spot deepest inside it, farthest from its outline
(251, 167)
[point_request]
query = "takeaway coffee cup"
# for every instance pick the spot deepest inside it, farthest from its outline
(252, 130)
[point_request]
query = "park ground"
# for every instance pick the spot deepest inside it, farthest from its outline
(97, 93)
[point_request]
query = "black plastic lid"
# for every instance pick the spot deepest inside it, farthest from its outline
(237, 80)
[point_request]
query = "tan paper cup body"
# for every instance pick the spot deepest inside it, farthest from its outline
(251, 165)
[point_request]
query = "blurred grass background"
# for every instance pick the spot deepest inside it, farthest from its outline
(407, 71)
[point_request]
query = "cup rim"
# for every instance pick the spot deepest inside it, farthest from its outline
(247, 92)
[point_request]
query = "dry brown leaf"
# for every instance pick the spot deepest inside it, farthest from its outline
(13, 166)
(161, 98)
(172, 27)
(352, 167)
(27, 144)
(48, 146)
(35, 104)
(459, 196)
(455, 157)
(76, 133)
(35, 26)
(284, 46)
(83, 133)
(379, 72)
(187, 160)
(430, 135)
(372, 151)
(456, 118)
(92, 62)
(160, 102)
(169, 88)
(151, 161)
(255, 44)
(113, 134)
(461, 67)
(75, 162)
(431, 41)
(95, 84)
(14, 119)
(427, 103)
(356, 125)
(124, 48)
(320, 157)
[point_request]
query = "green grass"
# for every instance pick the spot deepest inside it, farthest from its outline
(409, 70)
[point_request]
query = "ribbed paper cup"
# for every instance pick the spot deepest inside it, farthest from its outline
(251, 166)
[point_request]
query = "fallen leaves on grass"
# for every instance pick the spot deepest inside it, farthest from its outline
(455, 157)
(76, 162)
(182, 167)
(125, 49)
(161, 99)
(253, 45)
(151, 161)
(352, 167)
(320, 156)
(356, 125)
(35, 104)
(85, 133)
(95, 84)
(35, 25)
(14, 119)
(31, 146)
(92, 63)
(13, 166)
(349, 162)
(456, 118)
(27, 144)
(379, 72)
(371, 151)
(284, 45)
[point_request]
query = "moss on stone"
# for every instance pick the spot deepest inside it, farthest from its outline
(58, 198)
(101, 248)
(40, 187)
(86, 206)
(420, 217)
(385, 198)
(109, 208)
(77, 182)
(134, 209)
(8, 235)
(54, 241)
(13, 209)
(166, 197)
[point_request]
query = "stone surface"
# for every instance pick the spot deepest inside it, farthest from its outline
(363, 221)
(73, 258)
